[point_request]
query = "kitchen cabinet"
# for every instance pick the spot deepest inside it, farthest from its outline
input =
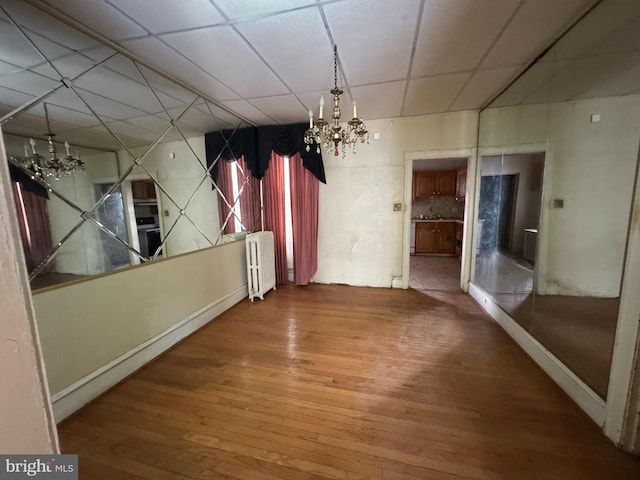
(431, 184)
(425, 237)
(461, 185)
(435, 237)
(446, 183)
(143, 190)
(459, 236)
(424, 184)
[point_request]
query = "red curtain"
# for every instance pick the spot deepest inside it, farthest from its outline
(35, 229)
(304, 219)
(274, 218)
(226, 188)
(249, 198)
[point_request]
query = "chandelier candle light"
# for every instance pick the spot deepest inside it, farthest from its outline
(53, 166)
(322, 133)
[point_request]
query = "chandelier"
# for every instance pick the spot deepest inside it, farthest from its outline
(332, 135)
(53, 166)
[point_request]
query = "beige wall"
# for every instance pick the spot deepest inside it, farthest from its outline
(360, 237)
(26, 419)
(86, 325)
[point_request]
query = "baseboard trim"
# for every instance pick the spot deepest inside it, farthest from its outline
(79, 393)
(578, 391)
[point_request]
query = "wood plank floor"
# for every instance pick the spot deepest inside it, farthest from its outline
(344, 383)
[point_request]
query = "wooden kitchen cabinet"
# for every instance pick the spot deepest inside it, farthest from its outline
(431, 184)
(461, 184)
(459, 237)
(446, 183)
(435, 237)
(425, 237)
(143, 190)
(424, 184)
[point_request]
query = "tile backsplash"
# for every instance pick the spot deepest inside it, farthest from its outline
(446, 207)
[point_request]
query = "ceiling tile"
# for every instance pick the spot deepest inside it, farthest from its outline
(12, 98)
(534, 27)
(63, 116)
(535, 79)
(101, 137)
(42, 30)
(196, 119)
(101, 17)
(305, 64)
(159, 16)
(588, 72)
(456, 34)
(152, 123)
(15, 49)
(602, 26)
(625, 39)
(625, 82)
(247, 73)
(128, 129)
(286, 108)
(379, 52)
(257, 8)
(107, 107)
(27, 82)
(248, 111)
(34, 126)
(382, 100)
(7, 68)
(168, 60)
(432, 94)
(112, 85)
(221, 117)
(69, 66)
(166, 86)
(482, 87)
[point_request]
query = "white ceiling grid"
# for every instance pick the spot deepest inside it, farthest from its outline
(270, 61)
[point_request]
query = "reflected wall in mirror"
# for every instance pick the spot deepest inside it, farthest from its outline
(146, 191)
(551, 252)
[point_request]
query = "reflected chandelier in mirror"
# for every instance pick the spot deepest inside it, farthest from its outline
(147, 191)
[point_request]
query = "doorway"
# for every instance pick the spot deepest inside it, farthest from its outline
(438, 195)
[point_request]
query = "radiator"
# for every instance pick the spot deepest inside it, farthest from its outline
(261, 264)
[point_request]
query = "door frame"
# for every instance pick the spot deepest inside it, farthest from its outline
(469, 207)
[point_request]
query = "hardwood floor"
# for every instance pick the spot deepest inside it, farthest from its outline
(345, 383)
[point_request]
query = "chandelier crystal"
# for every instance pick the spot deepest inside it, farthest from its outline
(330, 136)
(53, 166)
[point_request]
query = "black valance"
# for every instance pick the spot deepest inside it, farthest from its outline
(286, 141)
(230, 145)
(18, 175)
(257, 143)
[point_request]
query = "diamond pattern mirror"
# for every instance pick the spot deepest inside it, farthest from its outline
(146, 191)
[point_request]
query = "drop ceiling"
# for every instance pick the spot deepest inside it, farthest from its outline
(270, 61)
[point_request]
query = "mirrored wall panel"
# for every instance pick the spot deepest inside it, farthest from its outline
(558, 158)
(107, 157)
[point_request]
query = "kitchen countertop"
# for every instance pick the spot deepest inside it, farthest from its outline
(457, 220)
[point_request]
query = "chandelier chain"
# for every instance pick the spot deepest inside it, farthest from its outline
(46, 116)
(335, 66)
